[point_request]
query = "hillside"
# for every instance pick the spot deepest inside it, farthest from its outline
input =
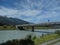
(11, 21)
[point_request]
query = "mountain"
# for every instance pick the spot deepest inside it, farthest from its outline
(11, 21)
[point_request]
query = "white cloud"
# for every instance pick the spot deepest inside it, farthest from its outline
(32, 14)
(54, 9)
(49, 15)
(7, 11)
(29, 12)
(14, 12)
(41, 18)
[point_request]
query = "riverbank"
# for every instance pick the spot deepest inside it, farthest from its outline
(7, 27)
(54, 42)
(57, 40)
(54, 38)
(32, 40)
(46, 38)
(46, 27)
(26, 41)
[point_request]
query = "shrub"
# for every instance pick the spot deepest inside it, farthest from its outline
(57, 32)
(34, 37)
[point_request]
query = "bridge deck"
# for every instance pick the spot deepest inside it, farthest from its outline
(41, 24)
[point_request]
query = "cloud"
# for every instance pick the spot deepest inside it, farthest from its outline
(7, 11)
(44, 18)
(49, 15)
(30, 13)
(32, 10)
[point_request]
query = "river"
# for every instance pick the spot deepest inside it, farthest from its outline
(17, 34)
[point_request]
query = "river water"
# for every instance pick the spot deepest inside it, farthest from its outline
(17, 34)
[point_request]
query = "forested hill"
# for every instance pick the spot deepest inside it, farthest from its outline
(11, 21)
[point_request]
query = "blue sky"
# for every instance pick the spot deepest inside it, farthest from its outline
(36, 11)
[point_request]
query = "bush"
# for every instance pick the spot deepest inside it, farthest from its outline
(34, 37)
(5, 26)
(57, 32)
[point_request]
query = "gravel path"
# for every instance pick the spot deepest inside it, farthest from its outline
(58, 43)
(51, 42)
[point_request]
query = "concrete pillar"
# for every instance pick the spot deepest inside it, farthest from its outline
(17, 27)
(32, 28)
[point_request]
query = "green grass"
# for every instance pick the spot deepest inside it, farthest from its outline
(29, 28)
(7, 28)
(45, 38)
(56, 32)
(26, 28)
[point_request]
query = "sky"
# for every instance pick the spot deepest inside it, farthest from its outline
(36, 11)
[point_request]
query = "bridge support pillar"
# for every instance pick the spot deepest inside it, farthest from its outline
(32, 28)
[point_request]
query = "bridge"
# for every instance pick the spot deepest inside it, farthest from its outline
(51, 24)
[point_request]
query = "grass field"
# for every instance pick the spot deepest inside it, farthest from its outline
(45, 38)
(7, 28)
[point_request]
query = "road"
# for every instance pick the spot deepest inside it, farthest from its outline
(51, 42)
